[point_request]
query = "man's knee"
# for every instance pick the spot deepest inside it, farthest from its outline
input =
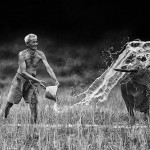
(9, 105)
(31, 98)
(33, 106)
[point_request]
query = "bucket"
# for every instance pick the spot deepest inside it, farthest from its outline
(51, 92)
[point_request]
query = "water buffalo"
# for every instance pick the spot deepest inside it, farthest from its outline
(135, 89)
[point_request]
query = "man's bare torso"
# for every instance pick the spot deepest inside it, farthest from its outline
(31, 61)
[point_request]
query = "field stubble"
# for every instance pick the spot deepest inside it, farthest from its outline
(81, 128)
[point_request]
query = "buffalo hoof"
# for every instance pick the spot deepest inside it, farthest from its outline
(132, 121)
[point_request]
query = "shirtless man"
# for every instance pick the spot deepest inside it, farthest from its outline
(25, 82)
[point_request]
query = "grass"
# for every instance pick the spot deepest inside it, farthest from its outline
(81, 128)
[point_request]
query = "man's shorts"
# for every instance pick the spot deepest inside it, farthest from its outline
(23, 88)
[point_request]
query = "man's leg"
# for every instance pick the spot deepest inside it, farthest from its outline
(7, 109)
(33, 108)
(14, 96)
(30, 96)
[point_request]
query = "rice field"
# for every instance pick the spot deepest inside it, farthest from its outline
(82, 128)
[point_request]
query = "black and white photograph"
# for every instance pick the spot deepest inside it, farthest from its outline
(74, 75)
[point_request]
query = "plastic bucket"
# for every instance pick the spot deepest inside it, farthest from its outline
(51, 92)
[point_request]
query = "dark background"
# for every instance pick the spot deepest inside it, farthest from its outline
(77, 22)
(75, 35)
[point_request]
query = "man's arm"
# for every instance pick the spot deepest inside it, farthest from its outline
(22, 65)
(48, 68)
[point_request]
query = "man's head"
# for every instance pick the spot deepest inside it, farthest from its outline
(31, 41)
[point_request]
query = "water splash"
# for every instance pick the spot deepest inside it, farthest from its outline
(131, 56)
(128, 59)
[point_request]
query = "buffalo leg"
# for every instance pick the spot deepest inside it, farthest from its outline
(146, 115)
(126, 96)
(146, 118)
(131, 114)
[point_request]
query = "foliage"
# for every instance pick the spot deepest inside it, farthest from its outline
(81, 127)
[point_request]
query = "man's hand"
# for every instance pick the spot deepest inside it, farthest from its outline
(57, 83)
(41, 82)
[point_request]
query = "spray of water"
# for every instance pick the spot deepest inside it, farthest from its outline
(128, 59)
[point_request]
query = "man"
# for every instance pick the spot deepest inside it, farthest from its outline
(25, 82)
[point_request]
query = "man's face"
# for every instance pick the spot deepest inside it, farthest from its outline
(33, 44)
